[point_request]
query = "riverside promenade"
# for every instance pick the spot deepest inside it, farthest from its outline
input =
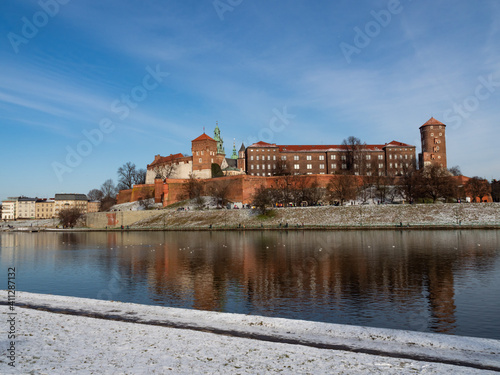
(61, 335)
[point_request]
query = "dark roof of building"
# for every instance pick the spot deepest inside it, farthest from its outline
(203, 137)
(232, 163)
(26, 199)
(71, 197)
(242, 148)
(433, 121)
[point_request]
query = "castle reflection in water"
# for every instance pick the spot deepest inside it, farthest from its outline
(397, 279)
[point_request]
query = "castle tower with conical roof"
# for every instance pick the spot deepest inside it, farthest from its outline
(432, 135)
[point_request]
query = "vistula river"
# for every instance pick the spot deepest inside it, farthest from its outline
(432, 281)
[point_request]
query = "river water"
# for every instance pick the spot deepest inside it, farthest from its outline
(432, 281)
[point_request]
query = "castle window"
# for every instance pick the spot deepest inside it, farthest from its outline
(257, 157)
(406, 156)
(321, 166)
(268, 157)
(308, 157)
(344, 166)
(334, 166)
(197, 153)
(211, 160)
(368, 165)
(381, 157)
(269, 166)
(439, 156)
(390, 165)
(309, 166)
(274, 157)
(283, 157)
(381, 166)
(432, 134)
(333, 157)
(368, 173)
(440, 134)
(200, 160)
(343, 157)
(368, 157)
(251, 167)
(322, 157)
(296, 157)
(258, 166)
(296, 166)
(432, 127)
(390, 156)
(251, 157)
(258, 174)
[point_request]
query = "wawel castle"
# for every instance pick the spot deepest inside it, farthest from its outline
(269, 159)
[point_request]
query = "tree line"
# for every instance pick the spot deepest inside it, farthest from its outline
(128, 176)
(429, 184)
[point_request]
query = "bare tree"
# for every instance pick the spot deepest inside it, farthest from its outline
(219, 191)
(69, 216)
(193, 188)
(455, 171)
(354, 155)
(477, 188)
(126, 175)
(262, 199)
(435, 182)
(95, 195)
(164, 171)
(495, 190)
(140, 177)
(342, 188)
(409, 183)
(283, 189)
(109, 192)
(282, 168)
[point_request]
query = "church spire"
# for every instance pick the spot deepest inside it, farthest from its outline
(218, 138)
(235, 154)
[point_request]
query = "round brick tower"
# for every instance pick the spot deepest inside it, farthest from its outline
(433, 137)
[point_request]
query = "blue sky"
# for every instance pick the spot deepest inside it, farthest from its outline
(144, 78)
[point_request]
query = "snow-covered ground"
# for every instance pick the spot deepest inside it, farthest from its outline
(29, 224)
(54, 343)
(136, 206)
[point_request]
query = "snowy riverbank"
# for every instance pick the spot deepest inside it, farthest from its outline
(136, 339)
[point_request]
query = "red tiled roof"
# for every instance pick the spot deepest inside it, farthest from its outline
(166, 159)
(433, 121)
(263, 144)
(305, 148)
(397, 144)
(203, 137)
